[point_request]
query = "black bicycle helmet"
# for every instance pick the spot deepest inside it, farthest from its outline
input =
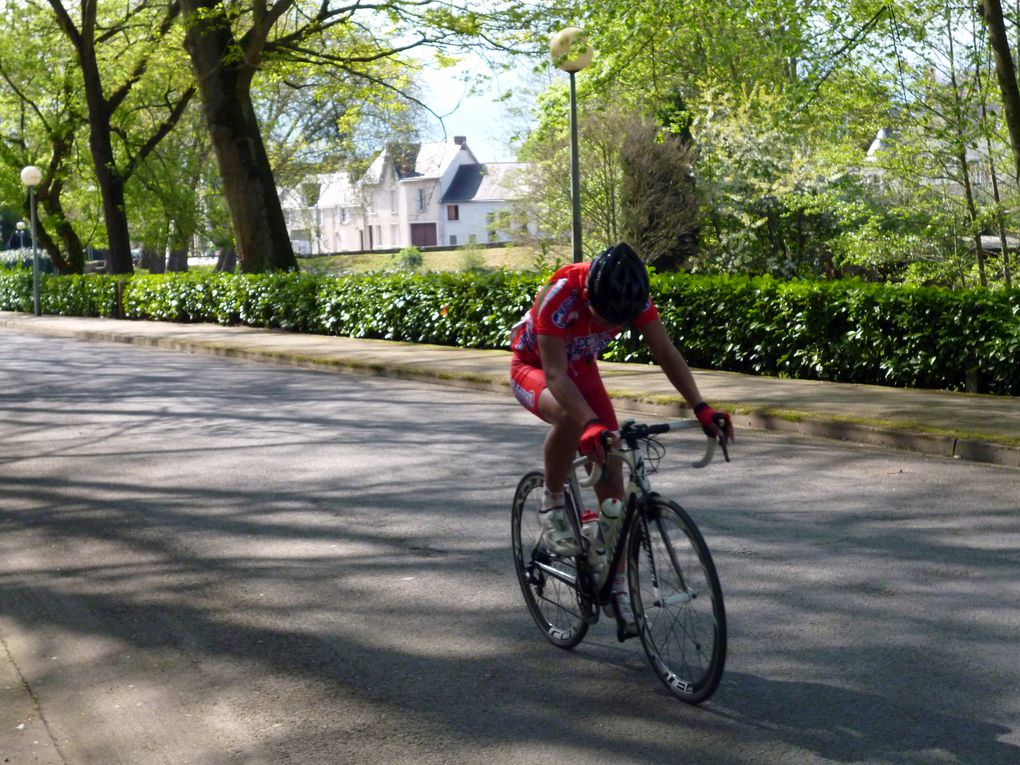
(618, 284)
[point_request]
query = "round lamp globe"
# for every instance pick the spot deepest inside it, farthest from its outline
(31, 175)
(570, 49)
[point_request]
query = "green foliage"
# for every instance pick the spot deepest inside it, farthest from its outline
(16, 289)
(845, 331)
(77, 295)
(471, 258)
(410, 259)
(848, 331)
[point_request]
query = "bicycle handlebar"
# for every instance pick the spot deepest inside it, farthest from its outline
(635, 432)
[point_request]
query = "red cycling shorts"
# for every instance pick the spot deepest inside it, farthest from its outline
(528, 382)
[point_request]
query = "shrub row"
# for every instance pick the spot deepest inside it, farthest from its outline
(842, 331)
(839, 331)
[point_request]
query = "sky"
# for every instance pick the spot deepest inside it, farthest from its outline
(487, 123)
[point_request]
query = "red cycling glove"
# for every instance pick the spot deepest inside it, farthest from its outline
(714, 422)
(591, 445)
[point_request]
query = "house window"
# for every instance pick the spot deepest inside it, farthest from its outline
(423, 200)
(452, 212)
(395, 235)
(453, 240)
(393, 202)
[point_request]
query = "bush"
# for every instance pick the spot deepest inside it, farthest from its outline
(847, 331)
(410, 259)
(841, 331)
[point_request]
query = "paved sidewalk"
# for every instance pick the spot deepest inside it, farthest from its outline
(965, 426)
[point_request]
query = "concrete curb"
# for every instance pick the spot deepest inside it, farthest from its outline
(820, 426)
(251, 344)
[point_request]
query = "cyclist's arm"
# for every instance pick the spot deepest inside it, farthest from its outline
(553, 351)
(672, 362)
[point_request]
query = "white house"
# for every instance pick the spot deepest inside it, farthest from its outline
(419, 194)
(477, 203)
(320, 214)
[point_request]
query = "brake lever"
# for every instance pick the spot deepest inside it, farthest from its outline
(725, 452)
(720, 422)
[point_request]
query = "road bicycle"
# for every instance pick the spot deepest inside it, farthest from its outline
(674, 588)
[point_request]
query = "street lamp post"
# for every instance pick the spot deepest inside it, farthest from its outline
(571, 52)
(30, 176)
(21, 234)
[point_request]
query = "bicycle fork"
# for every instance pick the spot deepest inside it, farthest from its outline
(684, 594)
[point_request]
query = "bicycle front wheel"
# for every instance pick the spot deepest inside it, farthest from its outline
(677, 601)
(548, 582)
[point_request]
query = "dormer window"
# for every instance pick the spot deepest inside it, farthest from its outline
(423, 200)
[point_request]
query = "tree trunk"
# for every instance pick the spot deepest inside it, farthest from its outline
(1004, 70)
(48, 198)
(226, 260)
(111, 187)
(108, 176)
(74, 263)
(961, 143)
(224, 79)
(153, 259)
(177, 260)
(999, 217)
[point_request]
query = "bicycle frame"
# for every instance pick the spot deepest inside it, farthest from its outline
(636, 494)
(668, 566)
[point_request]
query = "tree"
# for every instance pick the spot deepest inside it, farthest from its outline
(659, 202)
(229, 40)
(768, 83)
(1005, 72)
(39, 113)
(166, 194)
(132, 37)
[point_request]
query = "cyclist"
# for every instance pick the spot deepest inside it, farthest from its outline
(554, 375)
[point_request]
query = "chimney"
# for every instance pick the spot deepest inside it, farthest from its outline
(460, 140)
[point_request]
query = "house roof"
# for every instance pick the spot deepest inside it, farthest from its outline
(992, 243)
(495, 181)
(335, 190)
(373, 174)
(434, 158)
(430, 162)
(879, 144)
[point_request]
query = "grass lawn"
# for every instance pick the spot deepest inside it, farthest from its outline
(459, 259)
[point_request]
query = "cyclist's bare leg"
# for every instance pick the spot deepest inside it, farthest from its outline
(560, 442)
(561, 448)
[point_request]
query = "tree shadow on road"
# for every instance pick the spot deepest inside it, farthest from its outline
(373, 601)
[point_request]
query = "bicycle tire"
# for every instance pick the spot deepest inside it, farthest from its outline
(677, 601)
(555, 605)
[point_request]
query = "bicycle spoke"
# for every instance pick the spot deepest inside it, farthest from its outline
(547, 582)
(678, 602)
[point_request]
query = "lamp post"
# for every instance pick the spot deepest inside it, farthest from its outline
(30, 176)
(21, 234)
(571, 52)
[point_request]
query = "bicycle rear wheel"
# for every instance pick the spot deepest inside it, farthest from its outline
(677, 601)
(548, 582)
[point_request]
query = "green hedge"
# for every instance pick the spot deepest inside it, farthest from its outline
(841, 331)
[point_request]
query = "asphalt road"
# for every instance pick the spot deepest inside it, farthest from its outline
(214, 561)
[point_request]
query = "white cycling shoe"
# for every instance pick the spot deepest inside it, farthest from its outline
(557, 537)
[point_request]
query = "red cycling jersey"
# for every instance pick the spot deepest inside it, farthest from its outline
(561, 310)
